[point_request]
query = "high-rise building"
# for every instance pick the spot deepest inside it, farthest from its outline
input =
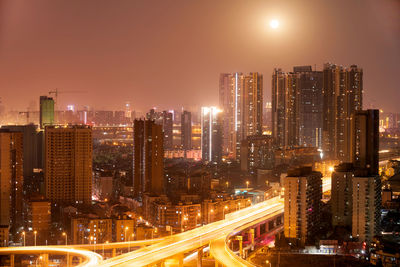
(40, 217)
(257, 153)
(32, 145)
(303, 193)
(68, 164)
(148, 156)
(297, 107)
(46, 111)
(11, 179)
(342, 93)
(167, 129)
(241, 98)
(364, 142)
(186, 130)
(211, 134)
(341, 195)
(366, 207)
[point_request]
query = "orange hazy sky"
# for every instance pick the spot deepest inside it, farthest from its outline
(169, 54)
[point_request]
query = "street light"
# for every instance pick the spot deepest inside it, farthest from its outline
(267, 262)
(223, 212)
(198, 215)
(35, 233)
(126, 228)
(66, 243)
(66, 238)
(23, 235)
(239, 205)
(103, 248)
(247, 185)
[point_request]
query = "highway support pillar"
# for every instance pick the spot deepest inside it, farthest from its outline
(240, 239)
(252, 237)
(114, 252)
(12, 260)
(44, 260)
(200, 257)
(180, 259)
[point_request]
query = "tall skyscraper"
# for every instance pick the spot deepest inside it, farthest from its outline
(11, 179)
(186, 130)
(297, 107)
(211, 134)
(165, 119)
(257, 153)
(342, 195)
(342, 89)
(46, 111)
(303, 193)
(148, 158)
(68, 164)
(167, 129)
(366, 207)
(32, 146)
(364, 142)
(241, 98)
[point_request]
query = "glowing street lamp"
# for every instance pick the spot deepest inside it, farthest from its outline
(198, 216)
(223, 212)
(66, 238)
(247, 185)
(23, 235)
(35, 234)
(126, 228)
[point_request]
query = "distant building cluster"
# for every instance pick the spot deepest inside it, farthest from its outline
(98, 176)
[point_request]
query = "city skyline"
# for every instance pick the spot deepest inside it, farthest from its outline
(60, 45)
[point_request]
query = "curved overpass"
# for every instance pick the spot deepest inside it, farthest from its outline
(89, 258)
(177, 245)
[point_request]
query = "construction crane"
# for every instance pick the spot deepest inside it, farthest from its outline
(27, 115)
(55, 92)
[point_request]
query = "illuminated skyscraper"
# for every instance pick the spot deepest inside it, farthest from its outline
(11, 179)
(342, 90)
(168, 129)
(241, 98)
(365, 140)
(297, 107)
(186, 130)
(211, 134)
(148, 158)
(303, 193)
(46, 111)
(68, 164)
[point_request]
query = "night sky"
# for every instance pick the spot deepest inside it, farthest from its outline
(169, 54)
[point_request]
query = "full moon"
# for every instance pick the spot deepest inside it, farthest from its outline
(274, 24)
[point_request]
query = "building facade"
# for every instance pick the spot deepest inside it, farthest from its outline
(297, 107)
(148, 158)
(366, 207)
(186, 130)
(303, 194)
(68, 164)
(46, 111)
(241, 98)
(11, 179)
(342, 194)
(342, 96)
(211, 134)
(257, 152)
(364, 144)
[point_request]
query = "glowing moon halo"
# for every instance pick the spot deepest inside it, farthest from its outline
(274, 24)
